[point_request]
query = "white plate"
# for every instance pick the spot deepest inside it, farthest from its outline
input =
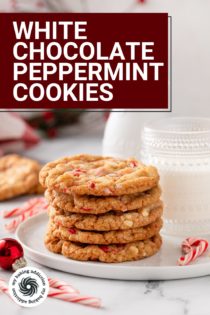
(162, 266)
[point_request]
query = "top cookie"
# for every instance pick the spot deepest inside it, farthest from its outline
(98, 176)
(18, 175)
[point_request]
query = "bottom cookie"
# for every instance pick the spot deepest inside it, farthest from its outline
(105, 253)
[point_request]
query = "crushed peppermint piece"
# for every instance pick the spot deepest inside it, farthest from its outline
(78, 171)
(105, 248)
(133, 164)
(76, 174)
(86, 209)
(92, 185)
(72, 231)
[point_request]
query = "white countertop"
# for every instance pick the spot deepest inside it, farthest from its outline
(180, 297)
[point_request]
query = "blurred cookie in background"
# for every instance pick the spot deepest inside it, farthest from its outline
(18, 176)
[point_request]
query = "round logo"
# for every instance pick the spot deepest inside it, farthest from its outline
(28, 286)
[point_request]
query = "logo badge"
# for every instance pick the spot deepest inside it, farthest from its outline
(28, 286)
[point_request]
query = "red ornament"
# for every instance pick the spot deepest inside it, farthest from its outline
(11, 254)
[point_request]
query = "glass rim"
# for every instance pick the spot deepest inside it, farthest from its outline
(155, 125)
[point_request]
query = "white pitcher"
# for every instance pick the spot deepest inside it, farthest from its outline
(122, 136)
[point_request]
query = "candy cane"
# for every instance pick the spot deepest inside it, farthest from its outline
(12, 226)
(61, 285)
(27, 206)
(64, 295)
(4, 287)
(192, 248)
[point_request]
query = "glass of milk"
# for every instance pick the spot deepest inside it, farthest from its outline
(180, 149)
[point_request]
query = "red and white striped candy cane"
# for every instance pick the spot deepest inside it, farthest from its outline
(64, 295)
(27, 206)
(4, 287)
(192, 248)
(61, 285)
(12, 226)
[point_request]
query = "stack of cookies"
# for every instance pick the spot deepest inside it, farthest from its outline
(102, 208)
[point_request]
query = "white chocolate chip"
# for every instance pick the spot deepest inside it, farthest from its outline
(133, 250)
(128, 223)
(145, 212)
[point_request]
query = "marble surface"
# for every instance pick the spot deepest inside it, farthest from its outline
(184, 297)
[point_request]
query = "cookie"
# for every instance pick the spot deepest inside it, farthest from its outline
(98, 176)
(113, 220)
(110, 237)
(98, 205)
(105, 253)
(18, 175)
(53, 244)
